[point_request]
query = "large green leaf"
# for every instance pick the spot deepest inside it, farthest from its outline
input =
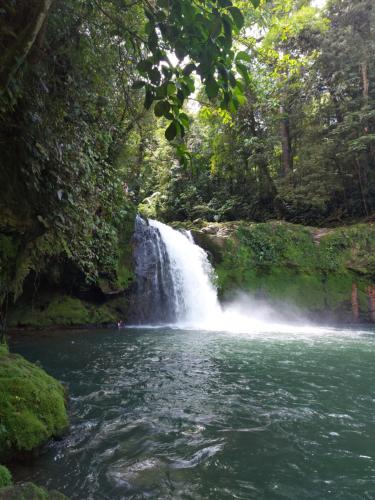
(171, 131)
(212, 88)
(162, 108)
(215, 27)
(243, 56)
(237, 17)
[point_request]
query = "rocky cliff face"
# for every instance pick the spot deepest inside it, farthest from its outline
(328, 273)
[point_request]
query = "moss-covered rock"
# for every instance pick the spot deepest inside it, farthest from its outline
(312, 268)
(29, 491)
(57, 310)
(5, 477)
(64, 310)
(32, 406)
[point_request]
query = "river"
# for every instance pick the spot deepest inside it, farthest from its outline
(187, 414)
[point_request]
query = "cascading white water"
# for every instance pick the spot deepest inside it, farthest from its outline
(195, 296)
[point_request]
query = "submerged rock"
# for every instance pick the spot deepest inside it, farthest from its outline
(29, 491)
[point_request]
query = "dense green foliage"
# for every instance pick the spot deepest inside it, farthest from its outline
(32, 406)
(200, 34)
(62, 195)
(302, 147)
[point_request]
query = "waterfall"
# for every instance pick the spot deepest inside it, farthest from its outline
(175, 286)
(174, 279)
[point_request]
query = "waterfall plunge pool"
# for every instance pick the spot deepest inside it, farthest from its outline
(189, 414)
(232, 402)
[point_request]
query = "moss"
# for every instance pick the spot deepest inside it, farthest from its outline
(60, 310)
(29, 491)
(32, 406)
(3, 349)
(125, 273)
(287, 284)
(312, 268)
(119, 273)
(103, 314)
(66, 308)
(5, 477)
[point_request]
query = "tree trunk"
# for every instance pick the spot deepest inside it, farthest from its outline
(286, 149)
(363, 196)
(365, 80)
(371, 301)
(25, 41)
(355, 303)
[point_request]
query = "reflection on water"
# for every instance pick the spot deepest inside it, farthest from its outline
(164, 413)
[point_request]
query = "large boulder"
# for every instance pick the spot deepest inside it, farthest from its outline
(32, 406)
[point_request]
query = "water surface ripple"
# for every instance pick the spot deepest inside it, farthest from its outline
(174, 414)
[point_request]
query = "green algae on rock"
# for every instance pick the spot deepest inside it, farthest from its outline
(32, 406)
